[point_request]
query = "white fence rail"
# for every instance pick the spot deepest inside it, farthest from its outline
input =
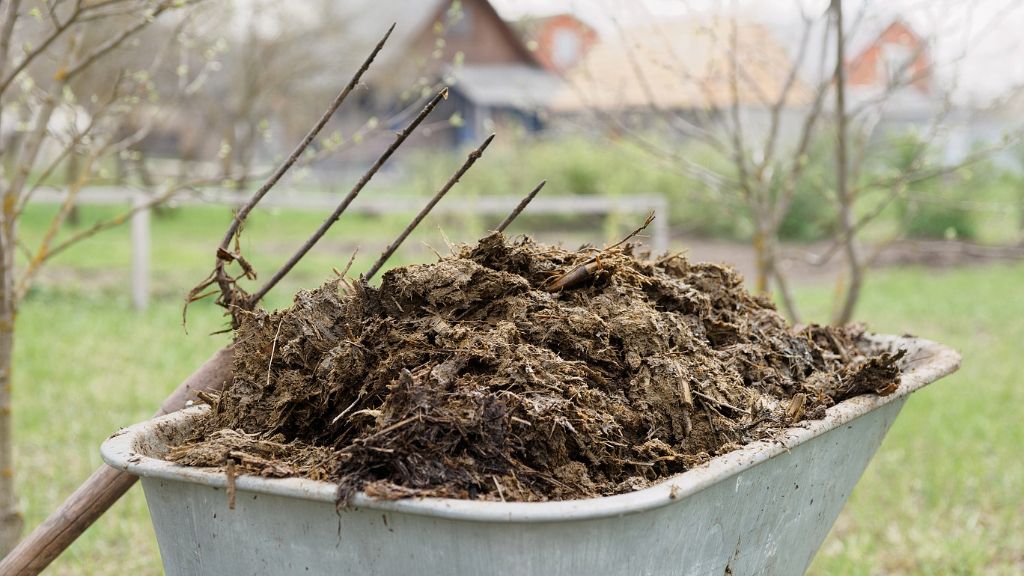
(321, 202)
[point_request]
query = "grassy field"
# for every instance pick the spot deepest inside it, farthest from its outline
(183, 240)
(942, 497)
(944, 494)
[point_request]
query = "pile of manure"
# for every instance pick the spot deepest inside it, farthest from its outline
(517, 371)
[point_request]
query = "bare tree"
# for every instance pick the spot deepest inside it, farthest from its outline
(269, 67)
(843, 196)
(46, 78)
(755, 110)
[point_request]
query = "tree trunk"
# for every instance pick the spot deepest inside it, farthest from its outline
(227, 160)
(10, 515)
(766, 250)
(71, 175)
(845, 197)
(762, 259)
(1020, 217)
(766, 239)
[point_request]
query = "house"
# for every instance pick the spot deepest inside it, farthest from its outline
(311, 49)
(896, 56)
(889, 74)
(494, 78)
(680, 65)
(889, 68)
(559, 41)
(682, 68)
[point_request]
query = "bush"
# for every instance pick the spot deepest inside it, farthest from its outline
(927, 219)
(812, 214)
(934, 208)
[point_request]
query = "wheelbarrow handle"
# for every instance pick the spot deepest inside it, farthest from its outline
(105, 486)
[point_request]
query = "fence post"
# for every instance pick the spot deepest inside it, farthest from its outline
(140, 253)
(659, 235)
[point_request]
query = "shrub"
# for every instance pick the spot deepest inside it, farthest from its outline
(928, 219)
(935, 207)
(812, 213)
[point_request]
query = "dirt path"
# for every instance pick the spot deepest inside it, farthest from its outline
(798, 259)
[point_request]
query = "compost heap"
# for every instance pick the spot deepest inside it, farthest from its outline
(517, 371)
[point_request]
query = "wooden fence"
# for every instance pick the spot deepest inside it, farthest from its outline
(322, 202)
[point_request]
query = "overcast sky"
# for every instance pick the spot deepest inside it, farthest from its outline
(985, 38)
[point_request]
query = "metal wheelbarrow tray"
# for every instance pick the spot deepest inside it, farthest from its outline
(763, 509)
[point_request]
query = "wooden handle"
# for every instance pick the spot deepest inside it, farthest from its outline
(210, 377)
(105, 486)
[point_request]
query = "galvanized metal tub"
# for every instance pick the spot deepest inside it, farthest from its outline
(764, 509)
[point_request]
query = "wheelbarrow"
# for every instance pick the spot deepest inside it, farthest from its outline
(763, 509)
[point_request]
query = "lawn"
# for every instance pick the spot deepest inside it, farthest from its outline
(183, 242)
(943, 495)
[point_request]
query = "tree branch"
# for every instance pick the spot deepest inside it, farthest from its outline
(112, 44)
(775, 122)
(121, 218)
(27, 59)
(75, 141)
(43, 251)
(6, 32)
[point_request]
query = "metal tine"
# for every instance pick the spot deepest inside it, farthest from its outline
(522, 206)
(363, 181)
(390, 250)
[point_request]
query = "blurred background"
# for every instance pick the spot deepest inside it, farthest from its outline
(856, 160)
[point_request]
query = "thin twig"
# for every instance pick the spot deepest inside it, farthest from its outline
(114, 221)
(308, 245)
(393, 427)
(43, 251)
(351, 259)
(111, 44)
(634, 233)
(522, 206)
(273, 350)
(7, 31)
(501, 493)
(578, 274)
(721, 403)
(390, 250)
(36, 51)
(77, 138)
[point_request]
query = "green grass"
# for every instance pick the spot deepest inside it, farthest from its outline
(183, 240)
(83, 367)
(941, 497)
